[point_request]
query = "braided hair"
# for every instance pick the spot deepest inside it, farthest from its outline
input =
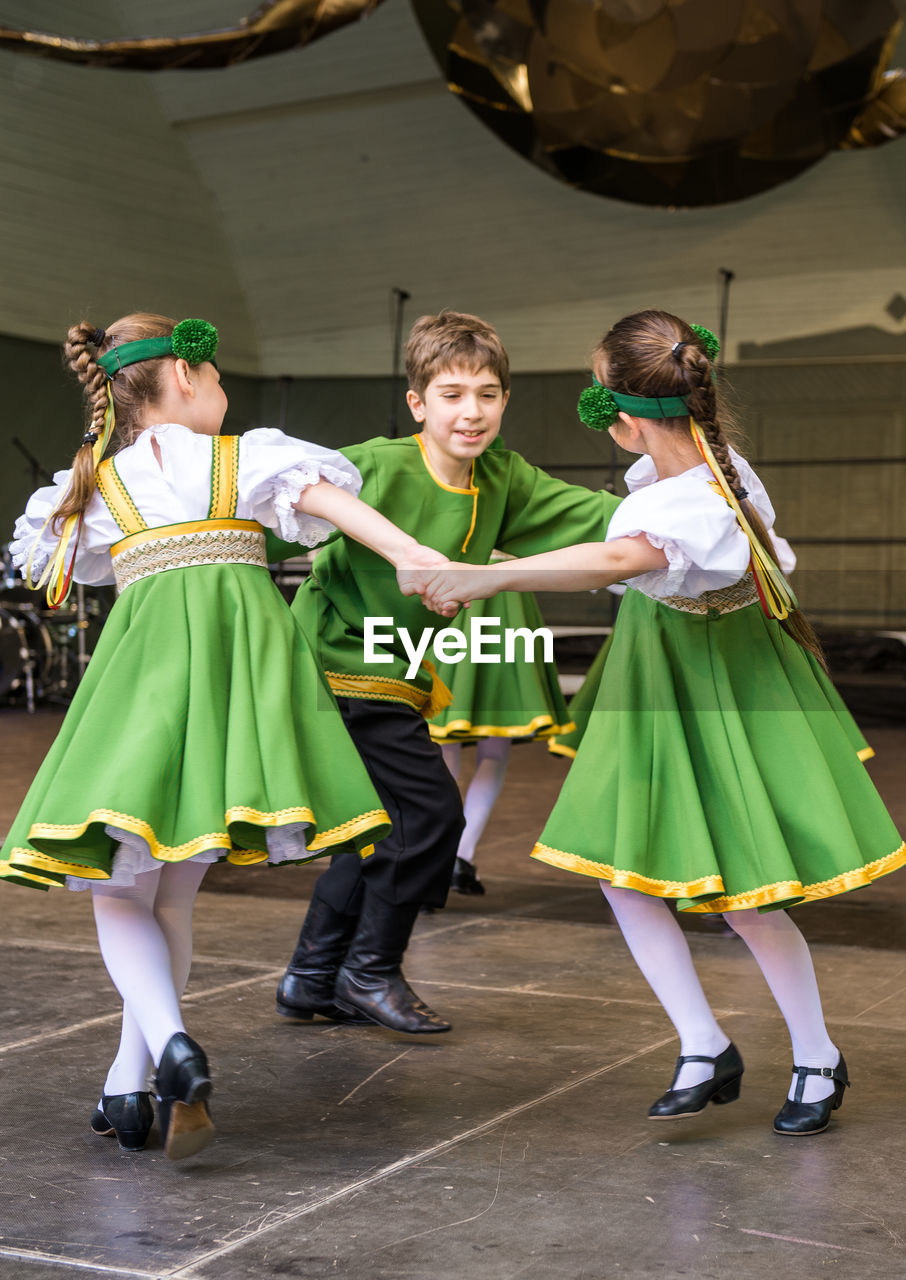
(654, 353)
(132, 388)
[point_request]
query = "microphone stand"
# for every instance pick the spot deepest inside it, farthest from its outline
(402, 297)
(724, 312)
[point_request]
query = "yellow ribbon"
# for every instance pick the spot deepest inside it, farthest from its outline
(775, 593)
(57, 576)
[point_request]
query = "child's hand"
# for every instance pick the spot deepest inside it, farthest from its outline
(421, 563)
(449, 589)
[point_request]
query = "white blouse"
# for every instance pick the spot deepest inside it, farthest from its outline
(695, 527)
(273, 470)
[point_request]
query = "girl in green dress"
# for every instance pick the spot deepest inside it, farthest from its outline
(720, 767)
(203, 728)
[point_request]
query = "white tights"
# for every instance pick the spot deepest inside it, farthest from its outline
(483, 790)
(145, 936)
(658, 946)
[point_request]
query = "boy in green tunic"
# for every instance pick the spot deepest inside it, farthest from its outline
(465, 500)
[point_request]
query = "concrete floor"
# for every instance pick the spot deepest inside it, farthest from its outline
(515, 1147)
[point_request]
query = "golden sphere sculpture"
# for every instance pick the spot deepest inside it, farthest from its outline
(671, 102)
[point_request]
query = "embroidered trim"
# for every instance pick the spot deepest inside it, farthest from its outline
(208, 542)
(333, 835)
(389, 689)
(783, 891)
(118, 499)
(727, 600)
(26, 862)
(541, 727)
(224, 477)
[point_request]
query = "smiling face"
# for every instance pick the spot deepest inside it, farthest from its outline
(460, 413)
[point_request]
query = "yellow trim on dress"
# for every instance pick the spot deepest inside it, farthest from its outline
(866, 753)
(472, 490)
(224, 477)
(118, 498)
(211, 842)
(162, 531)
(783, 891)
(560, 749)
(541, 727)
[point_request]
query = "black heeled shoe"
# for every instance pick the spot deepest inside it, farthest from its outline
(465, 879)
(128, 1115)
(799, 1119)
(722, 1087)
(183, 1088)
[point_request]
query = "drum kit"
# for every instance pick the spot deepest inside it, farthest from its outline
(44, 652)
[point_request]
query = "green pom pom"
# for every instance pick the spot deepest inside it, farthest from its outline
(707, 339)
(597, 408)
(194, 341)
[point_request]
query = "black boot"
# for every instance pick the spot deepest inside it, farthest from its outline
(370, 980)
(307, 986)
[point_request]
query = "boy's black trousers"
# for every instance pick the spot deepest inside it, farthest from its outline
(413, 865)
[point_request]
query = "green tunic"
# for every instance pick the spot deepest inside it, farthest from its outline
(509, 505)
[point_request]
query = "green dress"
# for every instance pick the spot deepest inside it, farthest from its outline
(203, 726)
(520, 700)
(580, 706)
(719, 766)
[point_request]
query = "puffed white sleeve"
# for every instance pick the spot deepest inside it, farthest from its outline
(274, 468)
(695, 528)
(34, 538)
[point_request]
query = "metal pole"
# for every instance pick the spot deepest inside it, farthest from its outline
(402, 297)
(724, 313)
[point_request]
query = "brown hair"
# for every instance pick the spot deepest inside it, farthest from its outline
(453, 340)
(132, 388)
(640, 360)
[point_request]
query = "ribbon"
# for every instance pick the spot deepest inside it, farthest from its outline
(774, 592)
(57, 574)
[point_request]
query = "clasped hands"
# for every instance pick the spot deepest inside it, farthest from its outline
(443, 585)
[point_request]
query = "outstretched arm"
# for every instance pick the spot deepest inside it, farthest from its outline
(584, 567)
(362, 523)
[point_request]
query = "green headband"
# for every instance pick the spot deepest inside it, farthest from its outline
(194, 341)
(599, 407)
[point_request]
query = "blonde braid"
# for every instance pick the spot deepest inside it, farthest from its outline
(133, 389)
(702, 401)
(84, 365)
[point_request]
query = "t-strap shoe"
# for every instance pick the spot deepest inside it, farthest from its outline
(799, 1119)
(722, 1087)
(128, 1115)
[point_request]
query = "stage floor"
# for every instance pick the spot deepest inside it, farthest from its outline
(517, 1146)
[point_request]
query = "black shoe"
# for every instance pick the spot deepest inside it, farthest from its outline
(722, 1087)
(799, 1119)
(183, 1088)
(370, 981)
(465, 879)
(128, 1115)
(307, 986)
